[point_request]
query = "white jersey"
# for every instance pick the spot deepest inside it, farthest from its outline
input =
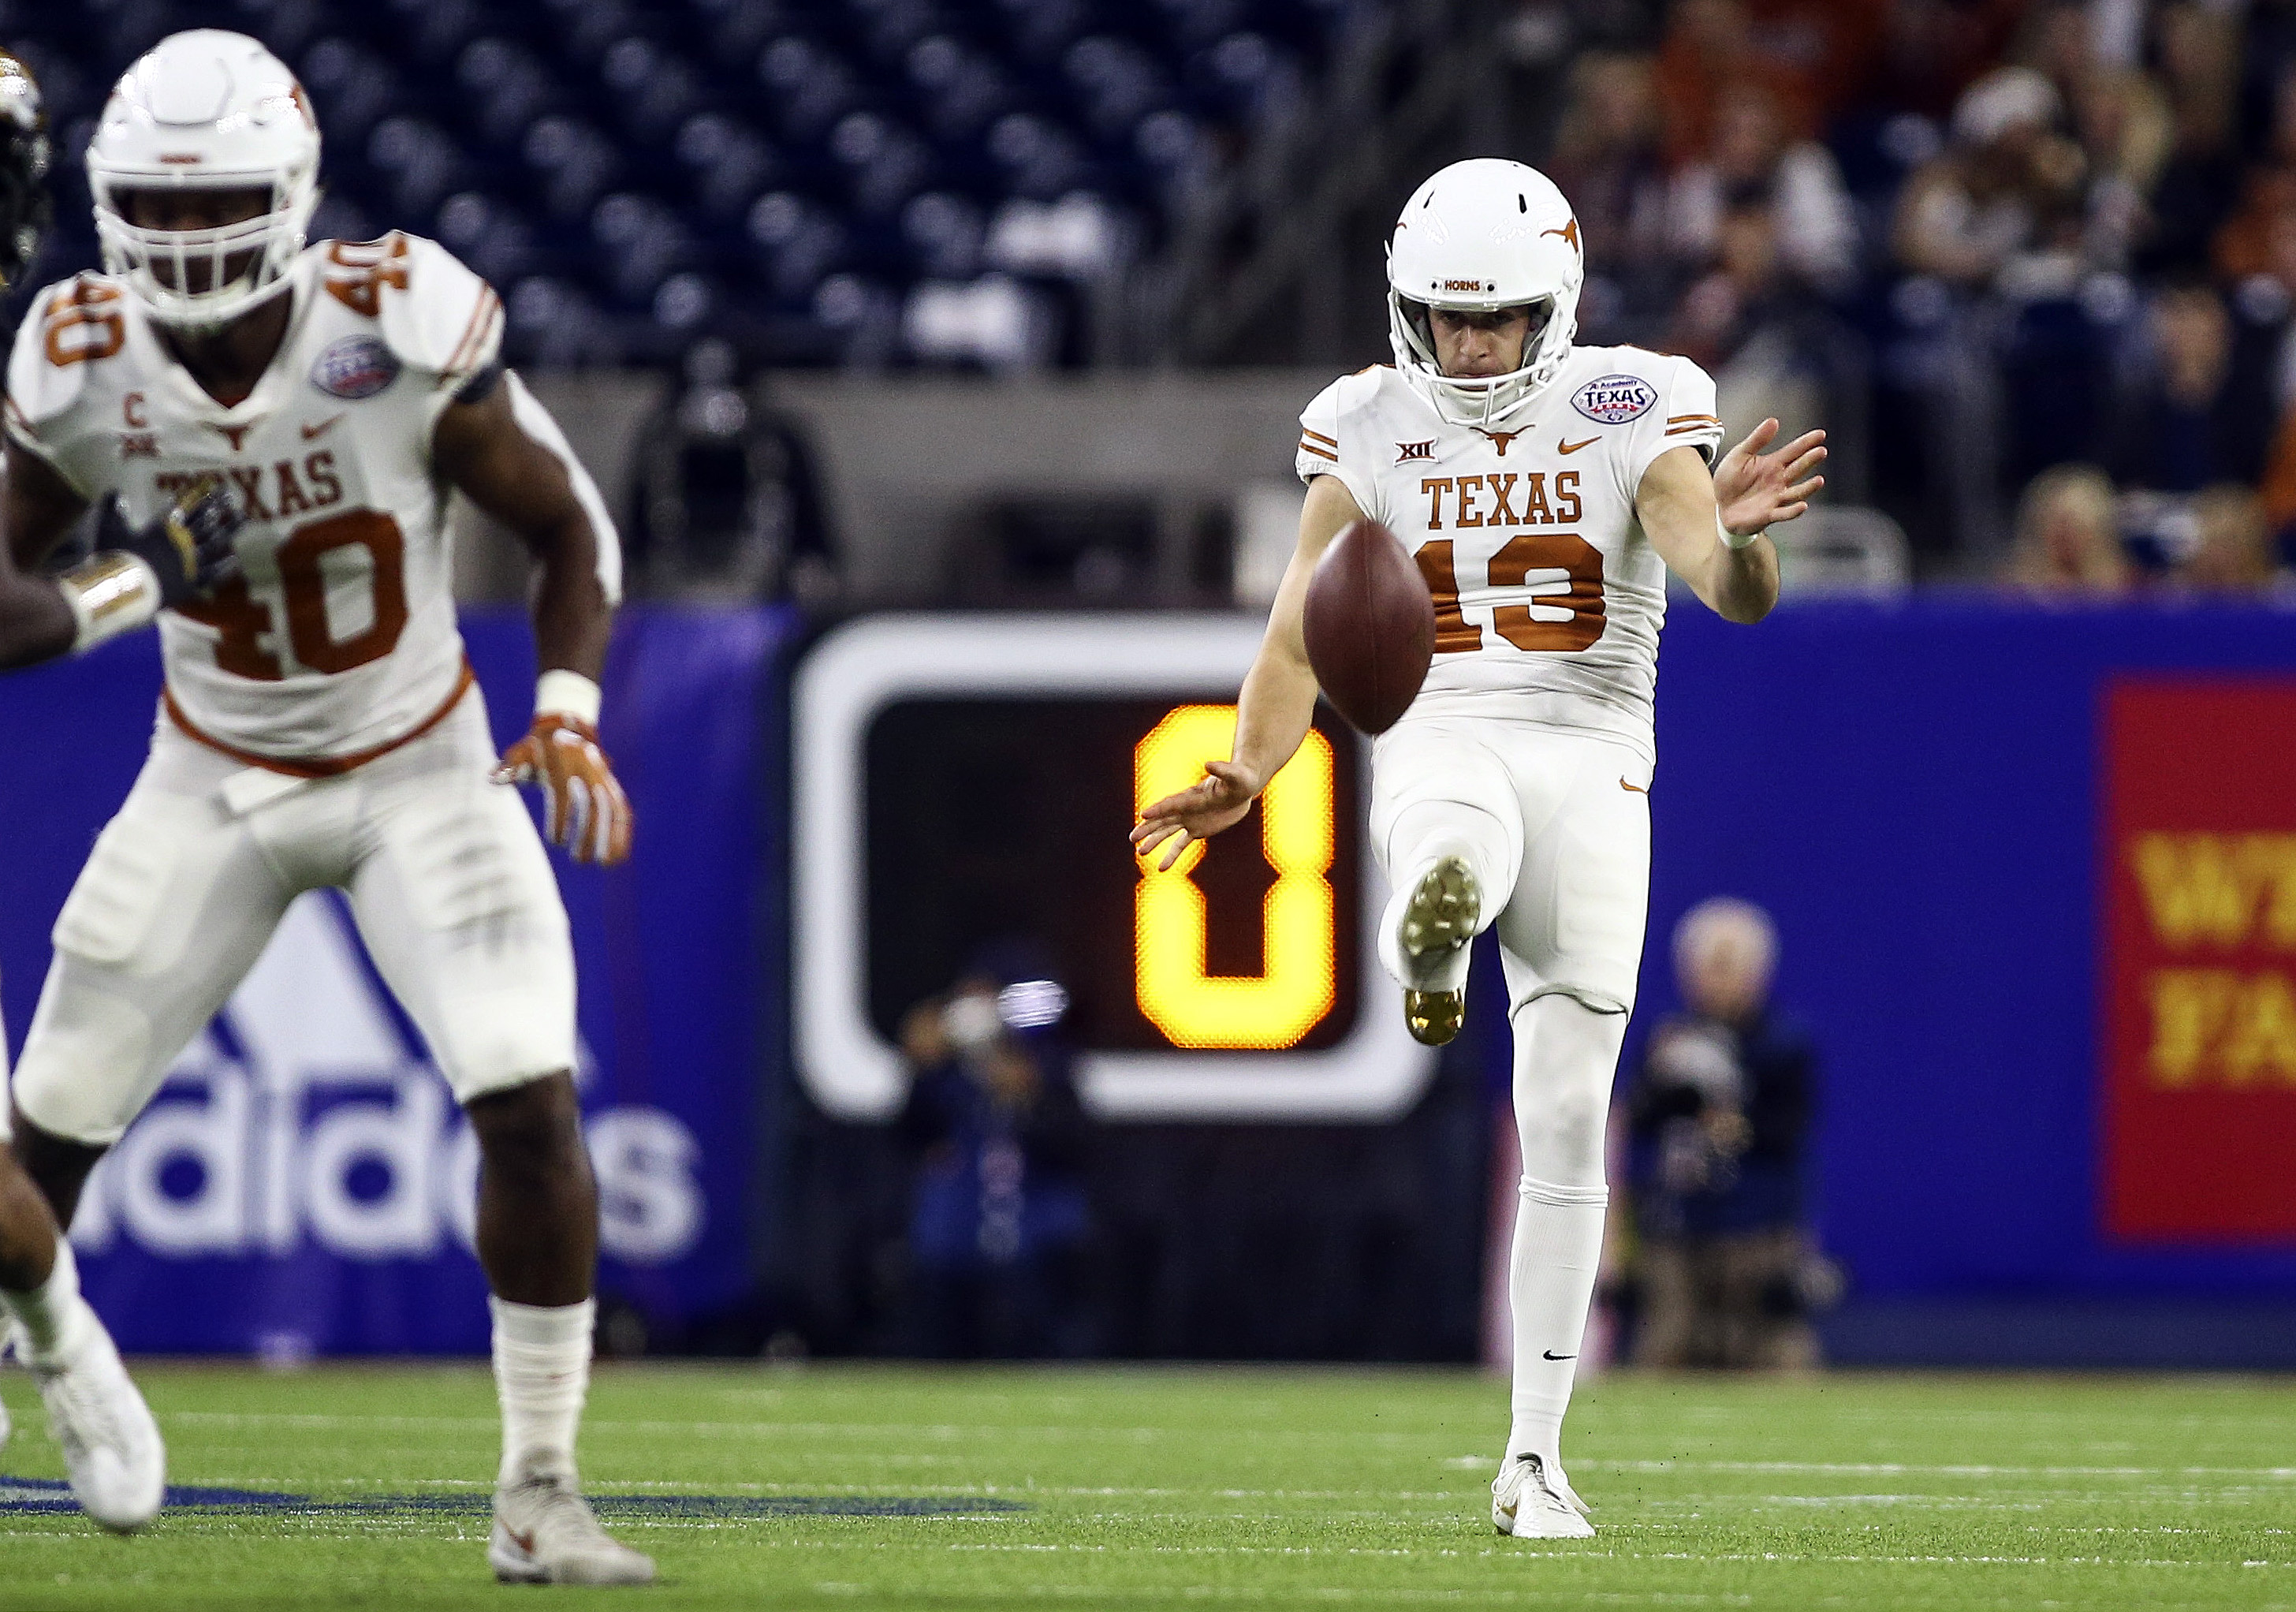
(341, 636)
(1548, 598)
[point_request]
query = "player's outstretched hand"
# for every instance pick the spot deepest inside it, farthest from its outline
(583, 806)
(1195, 813)
(191, 549)
(1753, 490)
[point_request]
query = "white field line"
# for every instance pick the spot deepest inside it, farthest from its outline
(953, 1431)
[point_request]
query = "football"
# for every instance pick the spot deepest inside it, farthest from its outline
(1369, 626)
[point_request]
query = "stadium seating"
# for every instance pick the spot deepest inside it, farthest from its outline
(864, 181)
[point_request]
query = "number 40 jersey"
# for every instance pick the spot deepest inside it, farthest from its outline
(1548, 598)
(341, 638)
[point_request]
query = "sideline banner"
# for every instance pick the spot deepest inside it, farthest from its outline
(2200, 966)
(303, 1183)
(2034, 871)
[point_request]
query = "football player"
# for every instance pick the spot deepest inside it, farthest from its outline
(112, 1447)
(319, 725)
(1545, 490)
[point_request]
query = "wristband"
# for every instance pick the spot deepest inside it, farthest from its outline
(567, 693)
(1731, 539)
(113, 593)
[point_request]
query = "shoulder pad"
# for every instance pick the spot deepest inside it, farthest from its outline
(433, 313)
(70, 327)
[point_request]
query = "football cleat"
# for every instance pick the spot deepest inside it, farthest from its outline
(1531, 1501)
(111, 1448)
(1433, 1017)
(545, 1534)
(1436, 924)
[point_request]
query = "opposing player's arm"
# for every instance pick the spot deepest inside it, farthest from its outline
(36, 621)
(38, 506)
(1707, 528)
(1278, 700)
(501, 450)
(135, 573)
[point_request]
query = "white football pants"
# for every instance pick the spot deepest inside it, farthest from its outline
(447, 876)
(1556, 827)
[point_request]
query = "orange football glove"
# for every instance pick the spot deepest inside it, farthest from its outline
(584, 808)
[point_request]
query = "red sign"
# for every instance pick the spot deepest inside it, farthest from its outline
(2199, 963)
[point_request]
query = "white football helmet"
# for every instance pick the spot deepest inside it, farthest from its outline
(206, 109)
(1483, 235)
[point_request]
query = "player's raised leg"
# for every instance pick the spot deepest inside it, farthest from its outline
(1447, 824)
(461, 910)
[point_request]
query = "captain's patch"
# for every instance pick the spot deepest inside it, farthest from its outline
(355, 368)
(1615, 399)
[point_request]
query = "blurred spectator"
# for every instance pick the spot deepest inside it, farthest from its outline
(998, 1225)
(2233, 553)
(2183, 424)
(1931, 50)
(727, 503)
(1773, 348)
(1812, 226)
(2277, 495)
(1711, 45)
(2068, 539)
(2198, 49)
(1606, 161)
(1719, 1117)
(2007, 187)
(2123, 127)
(2246, 244)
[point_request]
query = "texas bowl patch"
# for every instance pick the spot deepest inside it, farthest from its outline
(1615, 399)
(355, 368)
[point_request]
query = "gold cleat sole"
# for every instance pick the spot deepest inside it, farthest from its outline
(1434, 1016)
(1440, 917)
(1443, 909)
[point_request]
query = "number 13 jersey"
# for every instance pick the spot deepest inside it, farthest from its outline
(1548, 598)
(340, 637)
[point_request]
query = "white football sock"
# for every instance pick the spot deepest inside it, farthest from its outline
(54, 1316)
(1558, 1245)
(542, 1373)
(1566, 1055)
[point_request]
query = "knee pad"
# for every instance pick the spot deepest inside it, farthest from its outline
(87, 1065)
(111, 912)
(1566, 1056)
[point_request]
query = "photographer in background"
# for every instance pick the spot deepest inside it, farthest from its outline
(998, 1225)
(1718, 1119)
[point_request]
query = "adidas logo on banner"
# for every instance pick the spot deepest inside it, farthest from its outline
(306, 1112)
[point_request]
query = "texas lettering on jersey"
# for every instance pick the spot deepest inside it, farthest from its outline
(1549, 599)
(339, 635)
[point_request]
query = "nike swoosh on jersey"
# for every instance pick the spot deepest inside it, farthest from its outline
(1632, 788)
(320, 429)
(1550, 1354)
(1572, 448)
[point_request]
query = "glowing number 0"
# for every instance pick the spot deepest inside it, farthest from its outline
(1299, 981)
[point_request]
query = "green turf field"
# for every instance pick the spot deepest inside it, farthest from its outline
(859, 1487)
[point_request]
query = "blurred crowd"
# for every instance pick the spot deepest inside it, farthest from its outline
(2034, 262)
